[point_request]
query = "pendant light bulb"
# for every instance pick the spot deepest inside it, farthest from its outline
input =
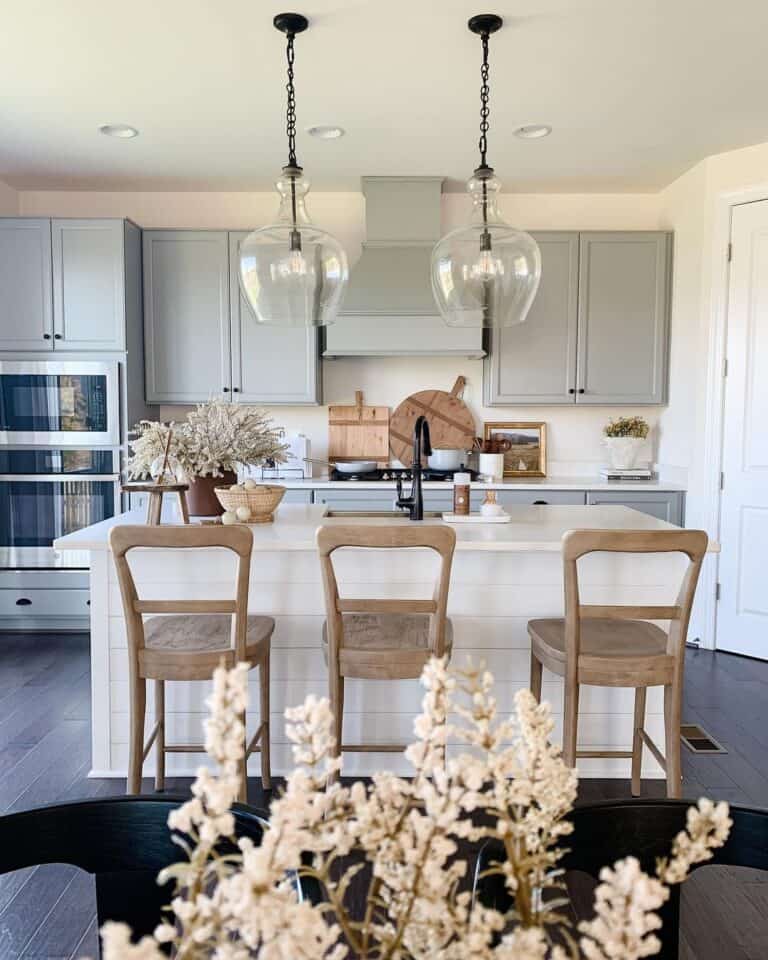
(485, 274)
(293, 273)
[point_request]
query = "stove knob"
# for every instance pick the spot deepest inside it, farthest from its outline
(385, 476)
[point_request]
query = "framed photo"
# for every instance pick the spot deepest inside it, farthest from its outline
(527, 452)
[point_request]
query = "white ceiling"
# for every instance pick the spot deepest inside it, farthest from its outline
(637, 91)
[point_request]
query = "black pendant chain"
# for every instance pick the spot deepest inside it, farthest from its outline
(485, 111)
(290, 120)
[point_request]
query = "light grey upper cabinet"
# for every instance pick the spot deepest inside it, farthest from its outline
(624, 283)
(88, 284)
(269, 364)
(535, 361)
(26, 308)
(186, 315)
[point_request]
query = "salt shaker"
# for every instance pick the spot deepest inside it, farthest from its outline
(461, 483)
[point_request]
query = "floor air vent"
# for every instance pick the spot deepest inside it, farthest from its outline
(698, 740)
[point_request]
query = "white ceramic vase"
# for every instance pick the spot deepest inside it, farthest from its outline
(623, 451)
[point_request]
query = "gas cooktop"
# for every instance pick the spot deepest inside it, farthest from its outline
(385, 474)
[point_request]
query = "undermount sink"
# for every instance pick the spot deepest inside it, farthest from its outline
(381, 514)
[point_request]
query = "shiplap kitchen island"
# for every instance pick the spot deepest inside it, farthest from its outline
(503, 575)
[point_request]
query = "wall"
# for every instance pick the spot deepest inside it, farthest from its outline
(574, 433)
(9, 200)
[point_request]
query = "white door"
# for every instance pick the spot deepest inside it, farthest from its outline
(742, 620)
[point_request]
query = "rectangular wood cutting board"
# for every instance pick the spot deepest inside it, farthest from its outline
(358, 432)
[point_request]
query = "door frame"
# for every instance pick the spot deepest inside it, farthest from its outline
(714, 420)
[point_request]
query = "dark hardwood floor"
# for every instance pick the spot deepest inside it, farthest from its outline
(47, 912)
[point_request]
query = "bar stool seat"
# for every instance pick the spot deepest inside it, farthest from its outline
(370, 639)
(601, 640)
(197, 643)
(205, 632)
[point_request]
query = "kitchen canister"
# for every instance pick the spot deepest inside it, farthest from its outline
(491, 465)
(461, 483)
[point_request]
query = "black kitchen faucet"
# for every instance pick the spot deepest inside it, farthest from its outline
(414, 503)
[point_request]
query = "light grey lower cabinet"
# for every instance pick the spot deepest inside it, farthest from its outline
(269, 364)
(26, 305)
(535, 361)
(89, 284)
(297, 496)
(512, 498)
(383, 499)
(624, 281)
(186, 315)
(663, 504)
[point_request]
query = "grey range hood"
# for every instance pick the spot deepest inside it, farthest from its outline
(389, 310)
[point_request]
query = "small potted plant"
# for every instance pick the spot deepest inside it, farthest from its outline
(207, 448)
(624, 437)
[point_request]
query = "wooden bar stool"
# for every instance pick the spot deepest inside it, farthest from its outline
(616, 646)
(382, 639)
(189, 642)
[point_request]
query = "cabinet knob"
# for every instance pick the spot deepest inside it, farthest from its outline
(225, 389)
(235, 389)
(46, 336)
(23, 602)
(571, 390)
(541, 503)
(57, 336)
(581, 389)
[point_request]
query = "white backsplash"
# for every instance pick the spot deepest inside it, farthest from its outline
(574, 433)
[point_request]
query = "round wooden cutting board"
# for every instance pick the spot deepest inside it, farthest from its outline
(451, 424)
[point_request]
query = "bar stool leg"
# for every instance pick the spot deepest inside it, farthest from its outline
(536, 671)
(337, 704)
(637, 739)
(672, 717)
(136, 756)
(570, 722)
(243, 793)
(160, 738)
(266, 769)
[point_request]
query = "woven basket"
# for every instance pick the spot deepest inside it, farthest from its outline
(262, 501)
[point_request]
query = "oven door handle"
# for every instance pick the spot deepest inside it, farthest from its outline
(60, 477)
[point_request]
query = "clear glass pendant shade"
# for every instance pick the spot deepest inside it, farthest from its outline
(291, 272)
(487, 273)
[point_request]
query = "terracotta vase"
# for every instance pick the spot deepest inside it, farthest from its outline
(202, 500)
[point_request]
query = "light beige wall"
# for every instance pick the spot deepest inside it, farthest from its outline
(684, 212)
(689, 207)
(9, 201)
(574, 433)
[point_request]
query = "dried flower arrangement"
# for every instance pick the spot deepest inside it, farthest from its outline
(406, 831)
(216, 437)
(627, 427)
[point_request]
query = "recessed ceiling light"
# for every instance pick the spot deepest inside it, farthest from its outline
(533, 131)
(121, 130)
(323, 132)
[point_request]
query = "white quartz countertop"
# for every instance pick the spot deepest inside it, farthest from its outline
(532, 528)
(531, 483)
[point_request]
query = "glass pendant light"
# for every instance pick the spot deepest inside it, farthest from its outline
(291, 272)
(487, 273)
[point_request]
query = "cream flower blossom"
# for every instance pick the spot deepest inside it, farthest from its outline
(400, 838)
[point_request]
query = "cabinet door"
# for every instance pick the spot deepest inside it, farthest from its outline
(664, 505)
(516, 498)
(269, 364)
(88, 285)
(186, 315)
(535, 362)
(623, 317)
(26, 311)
